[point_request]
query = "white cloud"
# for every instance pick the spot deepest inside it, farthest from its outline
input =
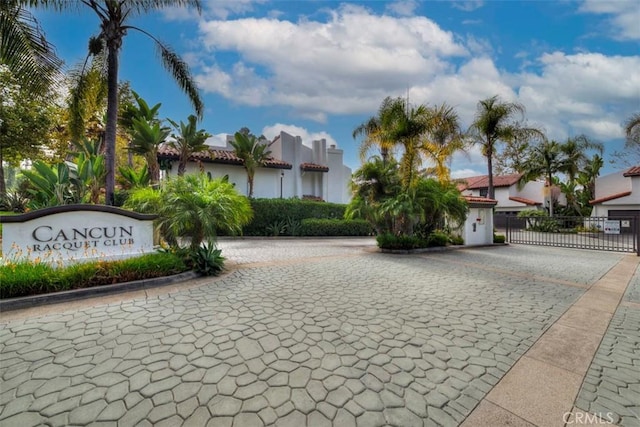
(583, 93)
(217, 9)
(624, 16)
(217, 140)
(348, 64)
(465, 173)
(402, 7)
(345, 65)
(307, 137)
(468, 5)
(471, 163)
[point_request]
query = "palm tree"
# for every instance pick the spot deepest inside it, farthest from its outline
(575, 156)
(630, 156)
(546, 160)
(587, 179)
(443, 139)
(25, 50)
(493, 123)
(253, 152)
(632, 129)
(373, 183)
(193, 207)
(378, 131)
(146, 138)
(86, 102)
(189, 141)
(114, 16)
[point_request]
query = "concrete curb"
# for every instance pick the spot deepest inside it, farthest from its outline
(437, 249)
(76, 294)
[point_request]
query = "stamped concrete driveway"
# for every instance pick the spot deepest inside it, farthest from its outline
(301, 332)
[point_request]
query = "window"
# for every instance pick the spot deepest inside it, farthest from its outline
(484, 192)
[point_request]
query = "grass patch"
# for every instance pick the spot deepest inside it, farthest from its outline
(25, 278)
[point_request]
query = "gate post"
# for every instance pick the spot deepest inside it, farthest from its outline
(636, 225)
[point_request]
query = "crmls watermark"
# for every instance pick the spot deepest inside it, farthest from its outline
(585, 418)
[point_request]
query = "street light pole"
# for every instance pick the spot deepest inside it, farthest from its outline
(281, 179)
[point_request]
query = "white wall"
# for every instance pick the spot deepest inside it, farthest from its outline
(339, 177)
(482, 233)
(602, 209)
(613, 183)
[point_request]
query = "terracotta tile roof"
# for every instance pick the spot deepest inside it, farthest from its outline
(634, 171)
(476, 182)
(474, 200)
(213, 155)
(525, 201)
(611, 197)
(313, 167)
(464, 183)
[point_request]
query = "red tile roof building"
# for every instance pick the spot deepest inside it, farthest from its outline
(292, 170)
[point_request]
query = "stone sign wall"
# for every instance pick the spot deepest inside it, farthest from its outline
(76, 233)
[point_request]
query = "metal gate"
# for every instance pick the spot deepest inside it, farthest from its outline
(614, 233)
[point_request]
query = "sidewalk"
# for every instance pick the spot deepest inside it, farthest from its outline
(541, 388)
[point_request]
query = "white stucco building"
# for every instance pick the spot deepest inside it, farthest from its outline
(617, 194)
(293, 169)
(510, 199)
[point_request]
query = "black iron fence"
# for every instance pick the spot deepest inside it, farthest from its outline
(620, 234)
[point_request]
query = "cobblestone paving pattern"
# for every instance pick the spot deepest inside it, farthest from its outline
(556, 263)
(612, 384)
(365, 340)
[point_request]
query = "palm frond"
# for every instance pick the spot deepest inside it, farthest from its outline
(25, 50)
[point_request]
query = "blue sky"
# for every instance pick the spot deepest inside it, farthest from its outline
(319, 68)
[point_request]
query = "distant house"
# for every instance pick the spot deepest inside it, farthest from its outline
(510, 199)
(293, 170)
(617, 194)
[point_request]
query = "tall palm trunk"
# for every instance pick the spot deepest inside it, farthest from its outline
(113, 45)
(491, 192)
(182, 165)
(3, 188)
(250, 179)
(550, 180)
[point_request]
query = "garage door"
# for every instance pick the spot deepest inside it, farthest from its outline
(625, 226)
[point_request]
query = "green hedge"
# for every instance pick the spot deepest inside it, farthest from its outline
(335, 227)
(268, 212)
(24, 278)
(391, 241)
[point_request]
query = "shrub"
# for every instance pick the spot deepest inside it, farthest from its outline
(499, 238)
(27, 278)
(267, 212)
(335, 227)
(437, 238)
(391, 241)
(456, 239)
